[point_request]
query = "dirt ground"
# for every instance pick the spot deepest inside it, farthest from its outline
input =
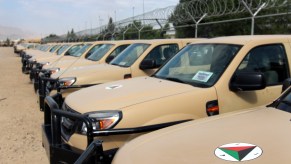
(20, 118)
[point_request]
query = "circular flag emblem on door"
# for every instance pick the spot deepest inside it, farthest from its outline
(238, 152)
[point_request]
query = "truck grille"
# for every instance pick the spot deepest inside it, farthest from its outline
(69, 126)
(49, 87)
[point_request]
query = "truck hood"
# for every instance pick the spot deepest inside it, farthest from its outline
(84, 62)
(98, 73)
(69, 65)
(37, 53)
(216, 139)
(47, 58)
(54, 62)
(124, 93)
(65, 60)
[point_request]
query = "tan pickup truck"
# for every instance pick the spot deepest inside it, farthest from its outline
(142, 58)
(40, 50)
(23, 47)
(100, 52)
(44, 59)
(253, 136)
(50, 59)
(66, 50)
(91, 54)
(206, 78)
(139, 59)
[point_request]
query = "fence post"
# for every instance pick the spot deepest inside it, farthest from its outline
(253, 14)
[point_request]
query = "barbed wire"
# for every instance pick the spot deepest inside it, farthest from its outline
(185, 12)
(214, 8)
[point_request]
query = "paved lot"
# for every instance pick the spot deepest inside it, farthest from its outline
(20, 119)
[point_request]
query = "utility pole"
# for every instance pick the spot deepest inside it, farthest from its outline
(143, 10)
(133, 13)
(114, 15)
(100, 24)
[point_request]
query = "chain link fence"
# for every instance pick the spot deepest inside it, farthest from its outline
(203, 18)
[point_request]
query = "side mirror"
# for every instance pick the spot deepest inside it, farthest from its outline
(67, 53)
(247, 81)
(286, 84)
(147, 64)
(109, 58)
(88, 54)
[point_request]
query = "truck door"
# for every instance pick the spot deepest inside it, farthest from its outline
(268, 59)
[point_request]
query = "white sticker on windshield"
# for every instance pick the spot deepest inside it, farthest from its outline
(202, 76)
(122, 63)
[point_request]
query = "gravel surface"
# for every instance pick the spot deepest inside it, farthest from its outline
(20, 118)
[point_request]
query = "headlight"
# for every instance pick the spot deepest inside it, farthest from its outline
(103, 120)
(28, 57)
(31, 60)
(53, 70)
(41, 64)
(66, 81)
(44, 63)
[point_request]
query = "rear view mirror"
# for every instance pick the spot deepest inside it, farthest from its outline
(67, 53)
(147, 64)
(247, 81)
(286, 84)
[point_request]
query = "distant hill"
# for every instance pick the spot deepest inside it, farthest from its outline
(14, 33)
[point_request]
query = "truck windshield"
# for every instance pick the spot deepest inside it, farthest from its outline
(200, 65)
(127, 57)
(100, 52)
(74, 49)
(46, 48)
(55, 48)
(62, 49)
(82, 50)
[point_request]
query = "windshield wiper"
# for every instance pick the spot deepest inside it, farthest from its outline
(286, 102)
(91, 59)
(119, 65)
(154, 75)
(175, 79)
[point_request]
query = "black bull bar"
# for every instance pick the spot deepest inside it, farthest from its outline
(59, 151)
(43, 90)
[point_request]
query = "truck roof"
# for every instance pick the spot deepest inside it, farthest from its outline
(244, 39)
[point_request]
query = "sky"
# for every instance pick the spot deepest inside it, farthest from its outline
(44, 17)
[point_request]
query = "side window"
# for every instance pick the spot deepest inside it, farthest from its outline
(74, 49)
(162, 53)
(270, 60)
(115, 52)
(92, 50)
(54, 48)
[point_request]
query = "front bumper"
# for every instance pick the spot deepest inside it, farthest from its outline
(35, 70)
(57, 153)
(57, 149)
(27, 65)
(33, 74)
(24, 65)
(41, 85)
(44, 90)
